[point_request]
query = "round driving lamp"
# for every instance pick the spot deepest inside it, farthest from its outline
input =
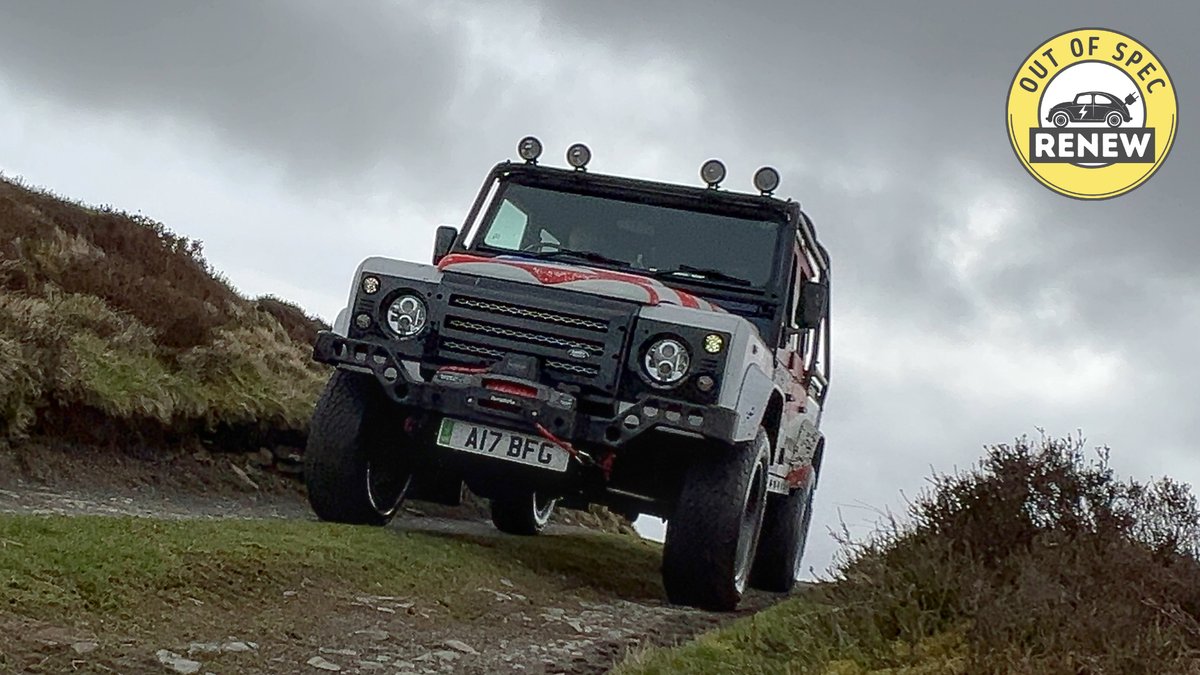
(666, 362)
(713, 343)
(370, 285)
(766, 180)
(578, 156)
(529, 148)
(406, 316)
(713, 172)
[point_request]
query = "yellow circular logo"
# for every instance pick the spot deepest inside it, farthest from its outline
(1092, 113)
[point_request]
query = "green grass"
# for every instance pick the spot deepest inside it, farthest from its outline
(120, 571)
(801, 635)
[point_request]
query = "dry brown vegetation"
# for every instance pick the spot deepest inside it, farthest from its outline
(110, 323)
(1037, 560)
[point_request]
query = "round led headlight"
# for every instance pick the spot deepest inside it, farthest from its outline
(667, 361)
(406, 316)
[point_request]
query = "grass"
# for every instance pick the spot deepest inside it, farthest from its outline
(136, 585)
(120, 572)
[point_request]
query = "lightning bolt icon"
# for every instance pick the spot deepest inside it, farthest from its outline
(1082, 112)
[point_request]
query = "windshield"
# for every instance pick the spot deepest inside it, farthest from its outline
(650, 239)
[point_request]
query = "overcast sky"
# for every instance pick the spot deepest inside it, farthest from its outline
(971, 305)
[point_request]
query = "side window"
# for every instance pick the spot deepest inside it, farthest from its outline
(1101, 99)
(1084, 98)
(508, 227)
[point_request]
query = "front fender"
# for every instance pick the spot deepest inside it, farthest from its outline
(753, 397)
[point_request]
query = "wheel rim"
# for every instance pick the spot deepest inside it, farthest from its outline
(543, 508)
(1061, 119)
(1114, 120)
(387, 482)
(752, 515)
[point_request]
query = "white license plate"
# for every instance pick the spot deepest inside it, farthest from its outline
(519, 448)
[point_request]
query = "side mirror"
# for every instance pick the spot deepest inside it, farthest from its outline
(443, 241)
(814, 297)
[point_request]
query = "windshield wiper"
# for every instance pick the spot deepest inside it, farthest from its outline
(590, 256)
(703, 273)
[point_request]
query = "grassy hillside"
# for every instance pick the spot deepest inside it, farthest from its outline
(111, 323)
(1039, 560)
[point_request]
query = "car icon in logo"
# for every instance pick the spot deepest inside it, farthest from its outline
(1092, 106)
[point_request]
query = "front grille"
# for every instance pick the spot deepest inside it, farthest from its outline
(506, 309)
(533, 337)
(548, 325)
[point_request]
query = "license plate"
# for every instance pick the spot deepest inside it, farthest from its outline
(506, 445)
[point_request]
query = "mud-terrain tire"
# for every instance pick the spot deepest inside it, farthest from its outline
(522, 514)
(781, 544)
(713, 532)
(354, 469)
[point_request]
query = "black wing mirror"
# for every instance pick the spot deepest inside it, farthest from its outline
(443, 241)
(814, 297)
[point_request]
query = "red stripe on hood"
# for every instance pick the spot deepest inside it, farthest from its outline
(551, 275)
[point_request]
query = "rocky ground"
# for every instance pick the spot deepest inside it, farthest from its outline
(316, 630)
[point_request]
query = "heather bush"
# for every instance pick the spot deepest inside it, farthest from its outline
(113, 317)
(1043, 559)
(1037, 560)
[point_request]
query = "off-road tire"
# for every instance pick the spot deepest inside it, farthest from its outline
(350, 447)
(524, 514)
(781, 544)
(713, 532)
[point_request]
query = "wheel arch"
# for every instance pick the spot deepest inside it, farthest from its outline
(771, 420)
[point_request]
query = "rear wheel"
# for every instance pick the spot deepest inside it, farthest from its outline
(354, 469)
(1114, 119)
(525, 514)
(713, 533)
(784, 532)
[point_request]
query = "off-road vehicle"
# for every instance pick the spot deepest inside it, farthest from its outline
(591, 339)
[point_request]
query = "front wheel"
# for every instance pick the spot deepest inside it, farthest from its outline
(354, 469)
(524, 514)
(781, 546)
(1061, 119)
(713, 533)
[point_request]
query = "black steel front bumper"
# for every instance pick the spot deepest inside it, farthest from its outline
(509, 394)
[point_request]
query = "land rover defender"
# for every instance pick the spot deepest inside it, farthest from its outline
(591, 339)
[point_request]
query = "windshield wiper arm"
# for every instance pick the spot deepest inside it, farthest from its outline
(703, 273)
(591, 256)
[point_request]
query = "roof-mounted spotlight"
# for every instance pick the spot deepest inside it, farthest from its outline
(578, 156)
(713, 172)
(766, 180)
(529, 148)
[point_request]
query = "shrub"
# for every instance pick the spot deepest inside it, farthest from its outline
(1047, 560)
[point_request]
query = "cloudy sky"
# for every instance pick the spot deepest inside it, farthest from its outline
(971, 304)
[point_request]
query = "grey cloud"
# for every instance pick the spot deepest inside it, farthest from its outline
(312, 86)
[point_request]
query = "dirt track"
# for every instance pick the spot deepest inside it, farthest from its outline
(362, 634)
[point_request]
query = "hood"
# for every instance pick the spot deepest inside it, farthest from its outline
(575, 277)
